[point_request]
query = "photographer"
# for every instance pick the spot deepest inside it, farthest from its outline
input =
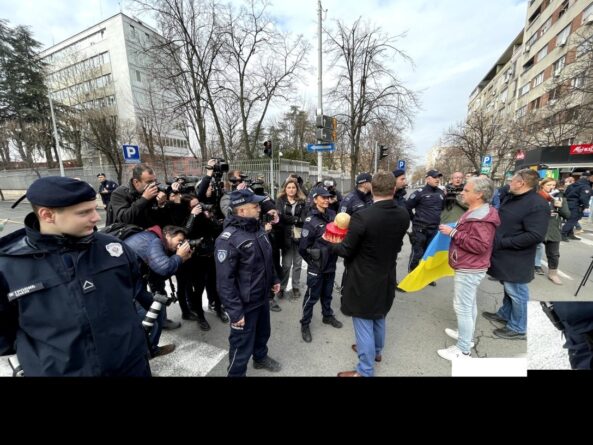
(236, 180)
(454, 206)
(335, 199)
(143, 202)
(161, 251)
(200, 271)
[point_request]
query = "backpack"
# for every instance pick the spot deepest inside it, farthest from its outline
(121, 230)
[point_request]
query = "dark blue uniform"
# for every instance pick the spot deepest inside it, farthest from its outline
(108, 186)
(424, 206)
(577, 319)
(577, 195)
(400, 198)
(244, 277)
(355, 201)
(67, 305)
(320, 273)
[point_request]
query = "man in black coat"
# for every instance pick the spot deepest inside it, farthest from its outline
(370, 249)
(524, 217)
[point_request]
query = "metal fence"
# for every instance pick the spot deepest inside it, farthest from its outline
(21, 179)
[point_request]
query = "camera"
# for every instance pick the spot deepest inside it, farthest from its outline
(195, 243)
(220, 167)
(267, 218)
(161, 187)
(207, 207)
(152, 314)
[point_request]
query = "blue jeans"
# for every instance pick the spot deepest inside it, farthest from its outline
(370, 340)
(514, 306)
(539, 253)
(466, 308)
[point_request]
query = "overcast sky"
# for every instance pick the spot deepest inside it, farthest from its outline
(453, 43)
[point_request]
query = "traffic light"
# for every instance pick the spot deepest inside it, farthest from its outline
(268, 148)
(327, 129)
(384, 151)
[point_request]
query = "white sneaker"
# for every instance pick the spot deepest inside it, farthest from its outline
(453, 353)
(454, 334)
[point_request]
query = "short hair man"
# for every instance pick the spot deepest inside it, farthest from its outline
(359, 198)
(106, 188)
(524, 218)
(66, 292)
(244, 277)
(370, 249)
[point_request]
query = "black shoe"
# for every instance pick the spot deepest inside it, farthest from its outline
(539, 270)
(170, 324)
(508, 334)
(275, 307)
(565, 238)
(163, 350)
(192, 316)
(204, 325)
(432, 283)
(333, 321)
(223, 316)
(295, 294)
(306, 333)
(492, 316)
(211, 306)
(268, 363)
(572, 236)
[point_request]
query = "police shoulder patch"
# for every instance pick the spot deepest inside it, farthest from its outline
(305, 233)
(308, 219)
(115, 249)
(226, 235)
(413, 195)
(221, 255)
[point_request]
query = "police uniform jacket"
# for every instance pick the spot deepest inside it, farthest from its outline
(427, 204)
(579, 194)
(355, 201)
(400, 198)
(313, 230)
(107, 185)
(67, 304)
(128, 206)
(244, 269)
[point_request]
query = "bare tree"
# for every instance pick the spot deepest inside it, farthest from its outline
(484, 135)
(367, 91)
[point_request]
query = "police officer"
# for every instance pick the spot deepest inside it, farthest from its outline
(244, 276)
(578, 196)
(575, 320)
(106, 188)
(67, 292)
(359, 198)
(425, 206)
(400, 187)
(321, 263)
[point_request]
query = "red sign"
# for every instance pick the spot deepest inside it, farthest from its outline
(520, 155)
(583, 149)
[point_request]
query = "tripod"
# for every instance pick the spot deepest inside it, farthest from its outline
(585, 278)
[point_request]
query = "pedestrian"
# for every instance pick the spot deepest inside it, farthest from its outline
(375, 237)
(67, 292)
(106, 188)
(469, 255)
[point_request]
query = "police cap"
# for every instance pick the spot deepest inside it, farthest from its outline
(57, 191)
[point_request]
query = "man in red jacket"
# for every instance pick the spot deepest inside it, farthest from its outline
(472, 241)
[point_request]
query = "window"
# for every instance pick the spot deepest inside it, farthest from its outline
(588, 15)
(562, 37)
(138, 76)
(558, 65)
(545, 27)
(563, 9)
(503, 96)
(524, 89)
(578, 82)
(538, 79)
(132, 31)
(521, 112)
(535, 104)
(543, 53)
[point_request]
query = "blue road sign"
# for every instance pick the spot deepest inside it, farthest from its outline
(131, 154)
(401, 165)
(487, 161)
(320, 147)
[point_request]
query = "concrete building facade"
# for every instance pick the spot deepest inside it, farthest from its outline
(105, 67)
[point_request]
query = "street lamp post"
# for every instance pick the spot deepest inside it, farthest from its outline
(56, 137)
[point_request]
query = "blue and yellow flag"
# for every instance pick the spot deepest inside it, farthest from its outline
(433, 265)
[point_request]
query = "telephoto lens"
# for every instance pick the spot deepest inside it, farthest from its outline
(195, 243)
(153, 313)
(17, 369)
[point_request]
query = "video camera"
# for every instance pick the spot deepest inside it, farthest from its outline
(220, 167)
(195, 243)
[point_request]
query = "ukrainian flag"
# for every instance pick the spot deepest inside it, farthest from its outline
(433, 265)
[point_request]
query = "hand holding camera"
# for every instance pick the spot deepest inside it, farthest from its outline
(151, 191)
(184, 251)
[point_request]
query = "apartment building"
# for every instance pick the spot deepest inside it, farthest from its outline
(519, 82)
(104, 68)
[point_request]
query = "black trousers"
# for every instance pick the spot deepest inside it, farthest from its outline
(421, 239)
(553, 254)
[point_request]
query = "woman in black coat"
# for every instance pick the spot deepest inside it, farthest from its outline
(291, 209)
